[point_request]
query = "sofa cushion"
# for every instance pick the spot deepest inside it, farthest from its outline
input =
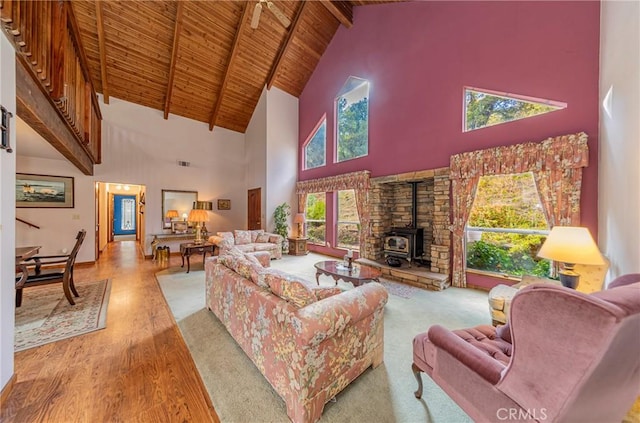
(290, 288)
(255, 233)
(262, 247)
(242, 237)
(227, 236)
(504, 332)
(245, 248)
(262, 238)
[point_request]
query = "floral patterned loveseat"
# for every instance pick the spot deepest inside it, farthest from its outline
(251, 241)
(308, 342)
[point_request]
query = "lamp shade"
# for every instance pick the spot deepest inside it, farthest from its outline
(198, 215)
(172, 214)
(203, 205)
(298, 218)
(571, 244)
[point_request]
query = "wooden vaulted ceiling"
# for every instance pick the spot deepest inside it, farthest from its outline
(201, 59)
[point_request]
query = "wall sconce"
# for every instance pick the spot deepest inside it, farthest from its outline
(570, 245)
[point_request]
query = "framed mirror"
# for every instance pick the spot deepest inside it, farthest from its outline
(176, 206)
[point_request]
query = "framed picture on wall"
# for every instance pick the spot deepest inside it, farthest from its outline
(224, 204)
(44, 191)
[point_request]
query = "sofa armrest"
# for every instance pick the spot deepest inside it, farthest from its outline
(329, 317)
(476, 360)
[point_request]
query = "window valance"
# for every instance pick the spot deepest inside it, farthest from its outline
(563, 152)
(355, 180)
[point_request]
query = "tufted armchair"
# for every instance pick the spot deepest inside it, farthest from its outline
(565, 356)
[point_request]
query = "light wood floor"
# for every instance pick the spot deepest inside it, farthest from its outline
(138, 369)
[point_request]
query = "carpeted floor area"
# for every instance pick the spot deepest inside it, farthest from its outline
(241, 394)
(46, 315)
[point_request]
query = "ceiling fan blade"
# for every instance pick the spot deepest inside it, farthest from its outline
(255, 19)
(278, 14)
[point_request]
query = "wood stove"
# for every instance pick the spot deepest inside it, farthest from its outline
(407, 242)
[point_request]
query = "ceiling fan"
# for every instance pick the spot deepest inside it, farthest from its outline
(255, 19)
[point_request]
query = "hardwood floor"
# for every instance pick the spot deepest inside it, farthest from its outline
(138, 369)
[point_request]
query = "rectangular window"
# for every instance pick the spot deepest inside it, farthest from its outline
(506, 227)
(348, 224)
(315, 216)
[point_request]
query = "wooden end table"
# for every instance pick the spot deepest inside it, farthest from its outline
(188, 248)
(357, 275)
(298, 246)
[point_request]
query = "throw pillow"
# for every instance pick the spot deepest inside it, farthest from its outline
(255, 233)
(322, 293)
(289, 288)
(242, 237)
(262, 238)
(227, 236)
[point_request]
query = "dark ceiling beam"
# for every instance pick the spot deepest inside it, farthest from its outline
(38, 111)
(103, 52)
(174, 57)
(341, 10)
(232, 57)
(283, 51)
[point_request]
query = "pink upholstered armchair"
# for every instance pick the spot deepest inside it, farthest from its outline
(565, 356)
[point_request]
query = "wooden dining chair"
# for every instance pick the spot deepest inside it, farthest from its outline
(44, 270)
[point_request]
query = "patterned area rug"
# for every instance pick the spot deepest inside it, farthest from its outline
(399, 289)
(46, 315)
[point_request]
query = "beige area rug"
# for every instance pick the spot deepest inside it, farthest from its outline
(46, 315)
(240, 394)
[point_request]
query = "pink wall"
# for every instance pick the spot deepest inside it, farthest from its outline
(419, 55)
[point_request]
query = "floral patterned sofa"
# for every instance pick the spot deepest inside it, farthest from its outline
(308, 342)
(250, 241)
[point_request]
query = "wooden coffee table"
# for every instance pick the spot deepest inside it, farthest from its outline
(357, 275)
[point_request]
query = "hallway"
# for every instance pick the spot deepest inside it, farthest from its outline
(137, 369)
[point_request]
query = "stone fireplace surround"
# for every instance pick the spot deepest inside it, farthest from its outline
(390, 206)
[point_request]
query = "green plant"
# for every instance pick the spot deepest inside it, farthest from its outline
(280, 219)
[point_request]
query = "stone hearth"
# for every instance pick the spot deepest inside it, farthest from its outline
(390, 206)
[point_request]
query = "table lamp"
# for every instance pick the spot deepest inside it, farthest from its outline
(299, 219)
(570, 245)
(172, 214)
(203, 205)
(198, 216)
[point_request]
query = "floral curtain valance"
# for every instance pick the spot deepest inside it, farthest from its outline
(355, 180)
(564, 152)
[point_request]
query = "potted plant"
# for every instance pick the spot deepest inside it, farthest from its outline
(280, 219)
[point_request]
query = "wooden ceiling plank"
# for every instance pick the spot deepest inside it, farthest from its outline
(103, 52)
(294, 25)
(342, 11)
(174, 58)
(227, 73)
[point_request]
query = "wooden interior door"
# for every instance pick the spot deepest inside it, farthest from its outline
(254, 208)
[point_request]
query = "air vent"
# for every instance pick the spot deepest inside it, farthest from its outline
(183, 163)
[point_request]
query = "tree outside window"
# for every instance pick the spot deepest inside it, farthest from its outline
(487, 108)
(348, 225)
(507, 226)
(315, 218)
(352, 108)
(314, 150)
